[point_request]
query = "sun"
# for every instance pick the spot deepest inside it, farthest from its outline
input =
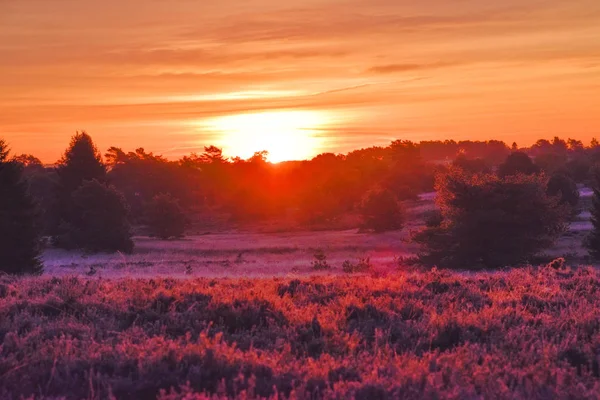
(286, 135)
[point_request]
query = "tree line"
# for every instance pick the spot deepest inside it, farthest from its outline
(497, 204)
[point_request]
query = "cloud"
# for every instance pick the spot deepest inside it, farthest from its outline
(392, 68)
(117, 64)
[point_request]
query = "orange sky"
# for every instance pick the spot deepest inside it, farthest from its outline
(158, 74)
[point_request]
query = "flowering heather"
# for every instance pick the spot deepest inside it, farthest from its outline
(529, 333)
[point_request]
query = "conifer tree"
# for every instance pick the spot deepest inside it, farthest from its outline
(19, 243)
(81, 162)
(99, 220)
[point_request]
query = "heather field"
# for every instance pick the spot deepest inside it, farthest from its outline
(526, 333)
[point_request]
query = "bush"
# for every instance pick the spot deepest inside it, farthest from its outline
(363, 265)
(490, 222)
(563, 186)
(474, 166)
(20, 244)
(381, 212)
(517, 163)
(320, 262)
(166, 219)
(99, 221)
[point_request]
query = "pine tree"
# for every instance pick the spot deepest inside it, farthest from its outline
(593, 240)
(99, 220)
(81, 162)
(19, 243)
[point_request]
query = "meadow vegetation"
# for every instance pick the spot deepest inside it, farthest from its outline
(526, 333)
(356, 330)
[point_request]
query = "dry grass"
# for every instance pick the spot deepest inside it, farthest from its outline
(234, 255)
(281, 254)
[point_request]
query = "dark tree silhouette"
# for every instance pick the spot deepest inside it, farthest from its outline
(99, 220)
(592, 242)
(473, 166)
(165, 217)
(81, 162)
(565, 188)
(19, 233)
(517, 163)
(381, 212)
(490, 222)
(29, 161)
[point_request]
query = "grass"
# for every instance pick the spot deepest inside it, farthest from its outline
(530, 333)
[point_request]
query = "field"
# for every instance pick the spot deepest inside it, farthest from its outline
(283, 254)
(241, 314)
(528, 333)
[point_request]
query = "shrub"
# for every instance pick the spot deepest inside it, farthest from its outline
(517, 163)
(20, 244)
(166, 219)
(563, 186)
(474, 166)
(491, 222)
(381, 212)
(99, 220)
(320, 262)
(363, 265)
(434, 219)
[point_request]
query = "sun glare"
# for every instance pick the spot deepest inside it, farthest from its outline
(286, 135)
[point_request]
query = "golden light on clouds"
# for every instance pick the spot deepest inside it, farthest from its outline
(286, 135)
(164, 74)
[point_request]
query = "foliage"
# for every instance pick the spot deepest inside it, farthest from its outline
(473, 166)
(43, 185)
(434, 219)
(426, 335)
(99, 220)
(19, 231)
(381, 212)
(517, 163)
(325, 191)
(141, 176)
(490, 222)
(592, 242)
(165, 217)
(563, 186)
(81, 162)
(320, 263)
(363, 265)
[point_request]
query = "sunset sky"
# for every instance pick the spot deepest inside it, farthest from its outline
(295, 77)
